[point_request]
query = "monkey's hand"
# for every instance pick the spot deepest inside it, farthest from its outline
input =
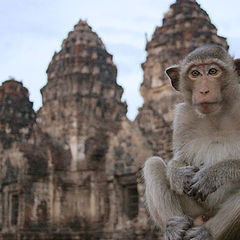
(181, 178)
(198, 233)
(177, 226)
(202, 184)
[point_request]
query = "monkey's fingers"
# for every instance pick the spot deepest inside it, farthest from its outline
(195, 169)
(200, 196)
(186, 189)
(193, 181)
(192, 192)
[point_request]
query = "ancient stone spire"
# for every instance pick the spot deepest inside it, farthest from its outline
(16, 113)
(81, 101)
(81, 82)
(185, 27)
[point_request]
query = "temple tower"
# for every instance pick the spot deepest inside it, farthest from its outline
(185, 27)
(17, 115)
(82, 111)
(82, 101)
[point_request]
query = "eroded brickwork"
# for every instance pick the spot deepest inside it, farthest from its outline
(16, 113)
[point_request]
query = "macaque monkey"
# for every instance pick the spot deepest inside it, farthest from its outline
(196, 196)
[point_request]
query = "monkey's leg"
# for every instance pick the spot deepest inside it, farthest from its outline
(165, 206)
(225, 225)
(162, 203)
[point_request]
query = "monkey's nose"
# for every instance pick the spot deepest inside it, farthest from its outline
(204, 92)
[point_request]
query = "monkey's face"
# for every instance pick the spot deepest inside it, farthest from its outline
(208, 79)
(204, 80)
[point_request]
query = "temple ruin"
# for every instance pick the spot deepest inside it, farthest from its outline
(73, 169)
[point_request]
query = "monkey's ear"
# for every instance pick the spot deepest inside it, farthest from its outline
(237, 65)
(173, 75)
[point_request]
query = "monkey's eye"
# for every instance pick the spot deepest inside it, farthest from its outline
(195, 73)
(212, 71)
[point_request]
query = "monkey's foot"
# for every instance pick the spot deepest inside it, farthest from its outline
(176, 227)
(198, 233)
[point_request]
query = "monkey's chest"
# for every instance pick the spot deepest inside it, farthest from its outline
(209, 150)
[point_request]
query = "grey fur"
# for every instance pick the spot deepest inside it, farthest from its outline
(210, 143)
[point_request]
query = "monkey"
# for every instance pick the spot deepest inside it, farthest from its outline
(196, 195)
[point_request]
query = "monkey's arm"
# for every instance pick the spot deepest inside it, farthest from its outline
(180, 175)
(208, 180)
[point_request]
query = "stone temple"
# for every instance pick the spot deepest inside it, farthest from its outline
(73, 169)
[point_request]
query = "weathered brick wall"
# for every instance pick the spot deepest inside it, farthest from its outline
(16, 114)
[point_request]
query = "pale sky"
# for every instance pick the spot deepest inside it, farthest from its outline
(32, 30)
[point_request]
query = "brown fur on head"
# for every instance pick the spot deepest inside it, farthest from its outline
(207, 78)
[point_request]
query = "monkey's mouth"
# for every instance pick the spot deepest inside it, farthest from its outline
(207, 103)
(208, 107)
